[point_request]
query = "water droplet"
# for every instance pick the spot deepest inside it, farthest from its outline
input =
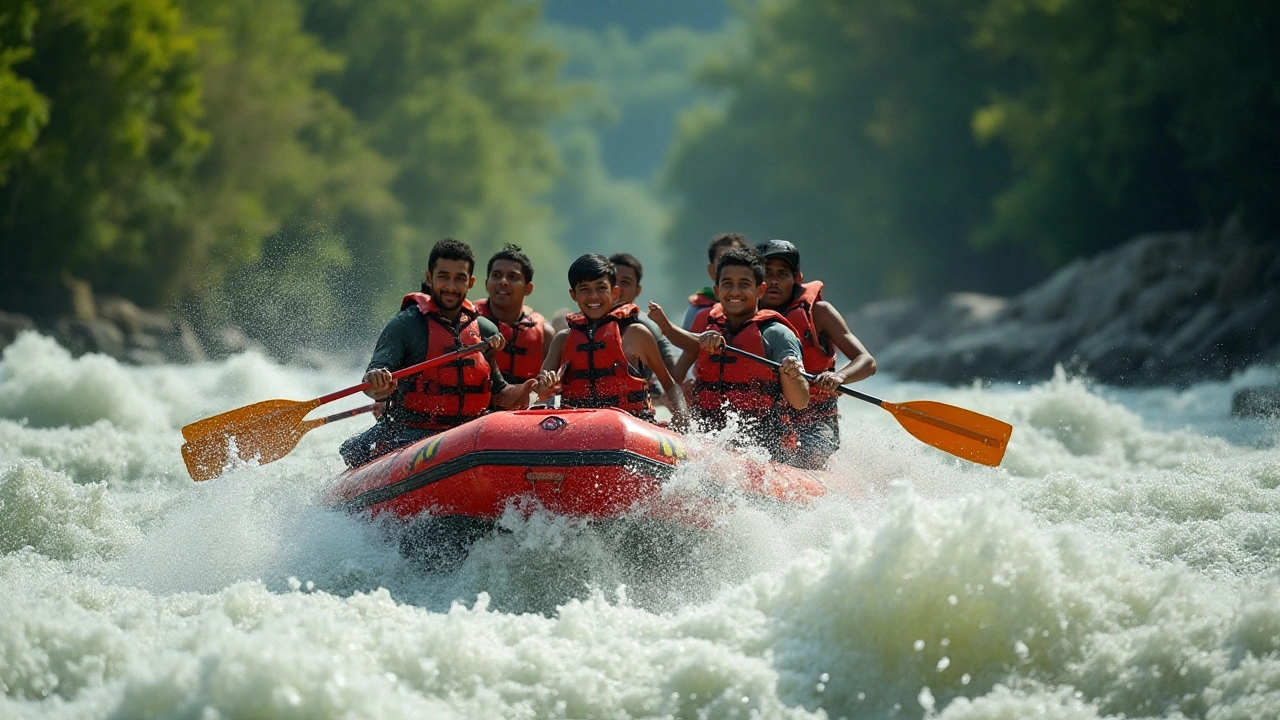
(918, 645)
(964, 679)
(952, 599)
(944, 663)
(824, 677)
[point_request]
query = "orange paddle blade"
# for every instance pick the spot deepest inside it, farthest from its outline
(963, 433)
(265, 431)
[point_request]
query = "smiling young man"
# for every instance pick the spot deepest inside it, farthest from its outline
(701, 301)
(822, 330)
(427, 327)
(724, 381)
(601, 359)
(508, 281)
(630, 272)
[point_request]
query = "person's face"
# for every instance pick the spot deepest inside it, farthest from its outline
(737, 290)
(711, 269)
(506, 285)
(595, 298)
(628, 286)
(450, 281)
(779, 283)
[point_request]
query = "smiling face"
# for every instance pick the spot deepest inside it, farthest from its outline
(595, 298)
(450, 281)
(779, 284)
(628, 286)
(738, 292)
(507, 286)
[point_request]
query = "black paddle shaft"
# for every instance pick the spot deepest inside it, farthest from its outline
(777, 365)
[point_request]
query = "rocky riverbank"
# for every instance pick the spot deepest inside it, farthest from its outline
(114, 326)
(1162, 309)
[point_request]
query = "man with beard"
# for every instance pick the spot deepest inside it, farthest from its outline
(509, 280)
(822, 330)
(427, 327)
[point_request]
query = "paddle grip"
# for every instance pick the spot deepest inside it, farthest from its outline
(777, 365)
(404, 372)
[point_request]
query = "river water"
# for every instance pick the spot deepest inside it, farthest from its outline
(1124, 561)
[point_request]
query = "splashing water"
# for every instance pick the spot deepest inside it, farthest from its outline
(1123, 561)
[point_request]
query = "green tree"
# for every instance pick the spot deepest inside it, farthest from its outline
(457, 95)
(288, 191)
(848, 131)
(23, 110)
(85, 195)
(1143, 116)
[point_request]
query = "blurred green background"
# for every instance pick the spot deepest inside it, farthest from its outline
(286, 165)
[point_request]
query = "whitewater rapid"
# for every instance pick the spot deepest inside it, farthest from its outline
(1124, 561)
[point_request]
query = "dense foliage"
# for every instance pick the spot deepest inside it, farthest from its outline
(284, 162)
(928, 145)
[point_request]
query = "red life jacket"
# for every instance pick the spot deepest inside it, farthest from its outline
(599, 374)
(521, 358)
(449, 395)
(726, 380)
(819, 357)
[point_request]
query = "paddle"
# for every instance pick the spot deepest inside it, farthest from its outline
(270, 429)
(963, 433)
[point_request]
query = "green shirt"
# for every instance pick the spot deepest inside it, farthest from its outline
(403, 343)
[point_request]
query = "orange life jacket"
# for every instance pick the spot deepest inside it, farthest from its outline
(727, 381)
(449, 395)
(598, 374)
(819, 356)
(521, 358)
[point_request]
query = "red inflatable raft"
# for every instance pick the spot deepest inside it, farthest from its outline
(596, 464)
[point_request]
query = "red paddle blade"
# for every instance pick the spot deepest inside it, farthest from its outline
(963, 433)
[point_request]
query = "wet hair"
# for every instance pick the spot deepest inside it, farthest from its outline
(627, 260)
(516, 255)
(451, 249)
(746, 257)
(590, 267)
(726, 240)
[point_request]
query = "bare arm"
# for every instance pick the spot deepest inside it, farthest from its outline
(860, 366)
(686, 361)
(795, 389)
(515, 397)
(548, 381)
(640, 343)
(681, 338)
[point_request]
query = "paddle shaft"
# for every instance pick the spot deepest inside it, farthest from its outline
(894, 408)
(777, 365)
(404, 372)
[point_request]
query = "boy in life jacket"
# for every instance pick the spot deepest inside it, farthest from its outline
(702, 300)
(629, 273)
(428, 326)
(822, 330)
(509, 280)
(600, 360)
(727, 382)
